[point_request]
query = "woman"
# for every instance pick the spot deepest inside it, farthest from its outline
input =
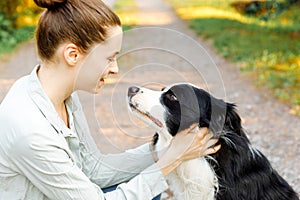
(46, 150)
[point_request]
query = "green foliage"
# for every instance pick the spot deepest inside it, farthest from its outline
(11, 31)
(264, 9)
(10, 36)
(6, 32)
(9, 9)
(267, 50)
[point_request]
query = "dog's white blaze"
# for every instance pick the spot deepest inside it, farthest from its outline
(147, 101)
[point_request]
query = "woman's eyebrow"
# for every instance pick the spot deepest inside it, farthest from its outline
(116, 53)
(113, 55)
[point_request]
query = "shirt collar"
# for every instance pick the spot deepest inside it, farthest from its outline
(45, 105)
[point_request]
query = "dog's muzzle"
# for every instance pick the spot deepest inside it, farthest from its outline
(133, 90)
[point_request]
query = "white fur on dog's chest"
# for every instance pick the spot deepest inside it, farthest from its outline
(193, 180)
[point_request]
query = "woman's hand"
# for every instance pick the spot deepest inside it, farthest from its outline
(188, 145)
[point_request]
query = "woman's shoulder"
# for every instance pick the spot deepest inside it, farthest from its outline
(26, 124)
(18, 113)
(17, 90)
(16, 100)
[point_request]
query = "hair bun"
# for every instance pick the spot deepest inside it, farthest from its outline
(49, 3)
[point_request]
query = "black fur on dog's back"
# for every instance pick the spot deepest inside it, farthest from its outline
(243, 172)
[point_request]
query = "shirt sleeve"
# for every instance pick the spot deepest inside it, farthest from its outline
(50, 167)
(147, 185)
(111, 169)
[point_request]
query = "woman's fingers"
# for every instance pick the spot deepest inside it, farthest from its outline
(207, 143)
(212, 150)
(192, 144)
(190, 129)
(211, 142)
(203, 133)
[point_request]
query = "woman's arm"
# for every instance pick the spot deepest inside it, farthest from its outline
(112, 169)
(49, 165)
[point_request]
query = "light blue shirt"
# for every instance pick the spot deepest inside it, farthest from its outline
(41, 158)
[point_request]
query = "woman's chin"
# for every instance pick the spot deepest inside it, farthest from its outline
(98, 87)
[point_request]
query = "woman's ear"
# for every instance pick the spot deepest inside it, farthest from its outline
(71, 54)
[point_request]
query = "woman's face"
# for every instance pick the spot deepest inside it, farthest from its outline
(99, 63)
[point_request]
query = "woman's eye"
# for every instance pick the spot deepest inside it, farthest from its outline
(111, 59)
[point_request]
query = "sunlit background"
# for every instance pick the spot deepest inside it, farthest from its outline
(263, 37)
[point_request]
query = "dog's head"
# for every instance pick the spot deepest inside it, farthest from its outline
(178, 106)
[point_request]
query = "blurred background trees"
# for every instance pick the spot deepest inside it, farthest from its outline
(264, 9)
(17, 22)
(19, 12)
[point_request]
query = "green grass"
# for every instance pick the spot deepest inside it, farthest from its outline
(269, 51)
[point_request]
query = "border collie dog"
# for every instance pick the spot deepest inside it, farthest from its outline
(237, 171)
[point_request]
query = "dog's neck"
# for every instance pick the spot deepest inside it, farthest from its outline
(161, 140)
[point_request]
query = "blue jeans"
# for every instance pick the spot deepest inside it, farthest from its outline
(112, 188)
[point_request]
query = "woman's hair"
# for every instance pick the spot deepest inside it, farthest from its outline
(82, 22)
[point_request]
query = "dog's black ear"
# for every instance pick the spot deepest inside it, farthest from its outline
(233, 120)
(217, 115)
(223, 117)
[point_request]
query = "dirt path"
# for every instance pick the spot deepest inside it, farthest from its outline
(161, 51)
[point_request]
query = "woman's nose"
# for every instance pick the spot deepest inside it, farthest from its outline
(114, 68)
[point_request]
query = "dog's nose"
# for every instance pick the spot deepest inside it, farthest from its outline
(133, 91)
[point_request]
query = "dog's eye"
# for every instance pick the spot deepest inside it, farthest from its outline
(172, 97)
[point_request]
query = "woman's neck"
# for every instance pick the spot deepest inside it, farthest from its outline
(58, 86)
